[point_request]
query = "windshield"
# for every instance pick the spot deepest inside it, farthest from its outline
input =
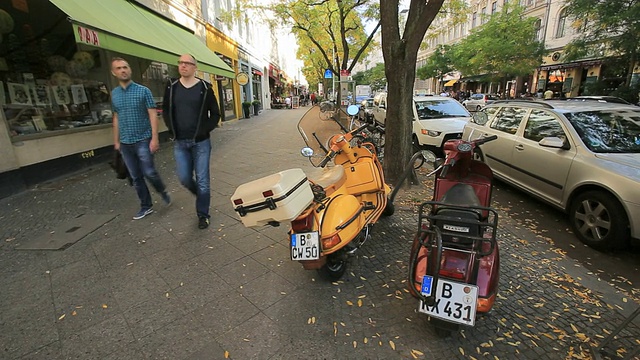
(317, 127)
(608, 131)
(439, 108)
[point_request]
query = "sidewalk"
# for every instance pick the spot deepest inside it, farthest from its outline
(160, 288)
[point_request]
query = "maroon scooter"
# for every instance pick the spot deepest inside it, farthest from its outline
(454, 266)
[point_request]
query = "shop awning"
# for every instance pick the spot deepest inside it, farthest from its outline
(121, 26)
(451, 82)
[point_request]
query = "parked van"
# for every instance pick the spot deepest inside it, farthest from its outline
(380, 108)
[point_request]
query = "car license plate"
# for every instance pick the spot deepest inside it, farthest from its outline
(305, 246)
(455, 302)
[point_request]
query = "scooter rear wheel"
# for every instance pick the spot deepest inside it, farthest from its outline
(336, 265)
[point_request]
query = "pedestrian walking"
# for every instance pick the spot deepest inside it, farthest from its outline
(135, 134)
(191, 112)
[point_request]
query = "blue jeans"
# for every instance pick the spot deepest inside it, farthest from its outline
(193, 157)
(139, 161)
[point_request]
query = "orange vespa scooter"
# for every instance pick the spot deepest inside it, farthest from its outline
(335, 214)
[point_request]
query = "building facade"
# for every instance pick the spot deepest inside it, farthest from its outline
(55, 77)
(553, 29)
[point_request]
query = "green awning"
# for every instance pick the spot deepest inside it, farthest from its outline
(121, 26)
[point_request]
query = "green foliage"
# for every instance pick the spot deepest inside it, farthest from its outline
(605, 28)
(438, 64)
(330, 34)
(374, 77)
(505, 46)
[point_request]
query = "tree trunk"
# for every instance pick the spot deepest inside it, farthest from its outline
(399, 118)
(400, 50)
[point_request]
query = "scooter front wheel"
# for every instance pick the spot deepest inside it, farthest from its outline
(336, 265)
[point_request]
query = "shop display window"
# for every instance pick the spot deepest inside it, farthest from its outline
(49, 85)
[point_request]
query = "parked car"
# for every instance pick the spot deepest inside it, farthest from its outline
(380, 108)
(436, 120)
(366, 110)
(600, 98)
(478, 101)
(582, 157)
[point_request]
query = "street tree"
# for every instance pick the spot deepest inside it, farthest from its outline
(335, 29)
(400, 51)
(608, 27)
(504, 47)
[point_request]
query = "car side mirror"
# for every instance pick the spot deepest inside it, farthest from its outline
(554, 142)
(480, 117)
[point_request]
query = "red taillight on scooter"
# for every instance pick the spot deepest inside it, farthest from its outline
(330, 242)
(452, 274)
(237, 202)
(302, 224)
(268, 193)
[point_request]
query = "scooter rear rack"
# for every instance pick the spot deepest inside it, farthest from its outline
(486, 224)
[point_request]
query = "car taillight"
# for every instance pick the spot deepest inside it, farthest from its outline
(302, 224)
(330, 242)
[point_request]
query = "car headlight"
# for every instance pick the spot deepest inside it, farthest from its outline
(431, 132)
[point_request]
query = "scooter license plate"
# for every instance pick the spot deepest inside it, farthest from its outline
(455, 302)
(305, 246)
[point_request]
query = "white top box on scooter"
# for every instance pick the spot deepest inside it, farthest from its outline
(276, 198)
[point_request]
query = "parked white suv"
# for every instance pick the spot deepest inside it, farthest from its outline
(436, 120)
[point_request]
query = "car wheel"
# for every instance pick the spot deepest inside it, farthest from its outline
(599, 221)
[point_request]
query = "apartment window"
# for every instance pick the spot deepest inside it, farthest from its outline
(538, 27)
(484, 15)
(505, 2)
(494, 7)
(562, 22)
(473, 19)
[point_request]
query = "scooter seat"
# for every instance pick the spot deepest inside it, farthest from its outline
(331, 180)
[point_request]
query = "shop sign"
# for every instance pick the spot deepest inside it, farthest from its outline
(242, 79)
(88, 36)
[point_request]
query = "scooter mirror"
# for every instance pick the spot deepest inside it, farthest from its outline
(307, 152)
(480, 117)
(429, 156)
(353, 110)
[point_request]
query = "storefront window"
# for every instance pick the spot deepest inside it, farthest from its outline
(227, 93)
(48, 84)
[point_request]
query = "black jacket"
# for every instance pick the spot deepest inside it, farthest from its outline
(209, 110)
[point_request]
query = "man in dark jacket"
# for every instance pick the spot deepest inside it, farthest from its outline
(191, 112)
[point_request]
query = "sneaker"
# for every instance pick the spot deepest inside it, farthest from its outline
(166, 198)
(142, 213)
(203, 222)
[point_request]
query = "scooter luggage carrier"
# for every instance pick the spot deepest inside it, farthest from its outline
(472, 243)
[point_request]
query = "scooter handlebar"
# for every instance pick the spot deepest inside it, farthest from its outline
(327, 158)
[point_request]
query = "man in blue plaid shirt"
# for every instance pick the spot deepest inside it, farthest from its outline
(135, 134)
